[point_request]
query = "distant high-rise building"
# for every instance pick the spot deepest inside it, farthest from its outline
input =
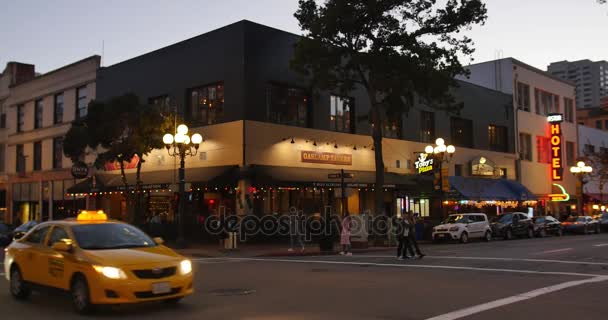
(590, 77)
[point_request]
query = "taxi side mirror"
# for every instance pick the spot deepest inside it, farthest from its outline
(159, 240)
(62, 246)
(18, 235)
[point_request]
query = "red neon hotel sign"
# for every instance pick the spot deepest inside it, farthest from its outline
(555, 125)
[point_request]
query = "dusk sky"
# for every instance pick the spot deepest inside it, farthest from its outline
(51, 34)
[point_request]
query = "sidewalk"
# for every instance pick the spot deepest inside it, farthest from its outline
(263, 250)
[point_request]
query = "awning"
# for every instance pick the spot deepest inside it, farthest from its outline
(192, 175)
(486, 189)
(88, 185)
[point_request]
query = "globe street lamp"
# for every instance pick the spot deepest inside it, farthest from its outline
(181, 145)
(441, 153)
(580, 171)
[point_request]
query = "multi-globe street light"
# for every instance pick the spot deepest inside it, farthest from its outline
(441, 153)
(181, 145)
(580, 170)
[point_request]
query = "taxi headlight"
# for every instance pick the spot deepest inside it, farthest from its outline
(111, 272)
(185, 267)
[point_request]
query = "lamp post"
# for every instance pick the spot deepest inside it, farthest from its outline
(580, 170)
(181, 145)
(441, 153)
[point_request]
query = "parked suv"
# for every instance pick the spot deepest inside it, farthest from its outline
(512, 224)
(463, 227)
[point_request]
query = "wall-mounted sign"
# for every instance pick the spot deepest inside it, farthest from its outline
(327, 158)
(80, 170)
(424, 164)
(556, 147)
(555, 118)
(482, 166)
(559, 197)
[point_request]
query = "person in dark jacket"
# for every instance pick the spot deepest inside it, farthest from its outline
(404, 247)
(411, 219)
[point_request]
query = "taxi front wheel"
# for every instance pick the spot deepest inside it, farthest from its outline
(80, 295)
(18, 286)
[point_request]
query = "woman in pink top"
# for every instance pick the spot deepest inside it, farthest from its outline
(345, 237)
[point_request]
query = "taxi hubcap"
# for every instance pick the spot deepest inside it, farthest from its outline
(16, 282)
(80, 295)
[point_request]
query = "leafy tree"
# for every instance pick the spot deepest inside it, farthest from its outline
(117, 131)
(399, 51)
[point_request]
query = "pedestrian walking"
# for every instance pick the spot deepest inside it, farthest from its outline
(345, 237)
(412, 234)
(403, 232)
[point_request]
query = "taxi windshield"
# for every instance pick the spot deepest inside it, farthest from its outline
(455, 219)
(110, 236)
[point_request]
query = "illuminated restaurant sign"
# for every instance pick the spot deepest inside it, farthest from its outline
(424, 164)
(556, 146)
(327, 158)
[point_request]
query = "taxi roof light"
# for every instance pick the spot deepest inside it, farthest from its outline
(91, 215)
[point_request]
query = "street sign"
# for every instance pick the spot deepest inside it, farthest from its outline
(339, 175)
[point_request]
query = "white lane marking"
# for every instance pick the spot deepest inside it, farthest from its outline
(555, 251)
(600, 245)
(499, 259)
(516, 298)
(421, 266)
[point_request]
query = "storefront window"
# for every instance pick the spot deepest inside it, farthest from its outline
(420, 206)
(288, 106)
(207, 104)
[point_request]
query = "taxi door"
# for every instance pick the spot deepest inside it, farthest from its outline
(32, 259)
(55, 262)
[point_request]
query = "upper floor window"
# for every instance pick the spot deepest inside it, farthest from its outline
(545, 102)
(20, 115)
(38, 110)
(391, 128)
(58, 109)
(569, 110)
(570, 160)
(525, 146)
(162, 101)
(20, 160)
(340, 114)
(57, 152)
(543, 149)
(523, 96)
(497, 138)
(2, 155)
(37, 156)
(427, 126)
(285, 105)
(81, 102)
(462, 132)
(589, 149)
(207, 104)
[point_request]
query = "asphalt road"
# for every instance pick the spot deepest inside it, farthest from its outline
(550, 278)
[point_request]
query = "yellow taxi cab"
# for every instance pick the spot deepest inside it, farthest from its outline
(99, 261)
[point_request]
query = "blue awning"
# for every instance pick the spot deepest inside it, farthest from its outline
(485, 189)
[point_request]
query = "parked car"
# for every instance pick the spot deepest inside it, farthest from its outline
(513, 224)
(463, 227)
(603, 221)
(582, 224)
(6, 235)
(546, 225)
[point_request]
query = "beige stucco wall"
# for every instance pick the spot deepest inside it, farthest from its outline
(265, 146)
(537, 176)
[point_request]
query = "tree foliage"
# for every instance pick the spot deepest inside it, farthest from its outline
(400, 51)
(599, 162)
(117, 131)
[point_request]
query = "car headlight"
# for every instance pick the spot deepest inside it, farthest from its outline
(111, 272)
(454, 228)
(185, 267)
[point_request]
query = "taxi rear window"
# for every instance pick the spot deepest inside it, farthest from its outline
(108, 236)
